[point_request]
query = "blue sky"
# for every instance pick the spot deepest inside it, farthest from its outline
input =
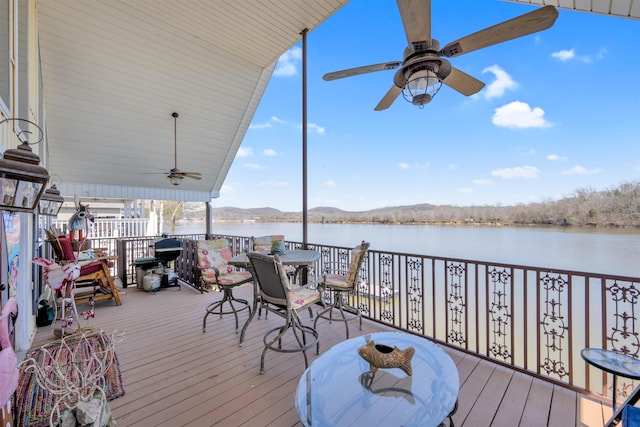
(560, 112)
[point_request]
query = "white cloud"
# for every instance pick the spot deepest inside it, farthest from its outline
(567, 55)
(421, 165)
(297, 125)
(580, 170)
(500, 85)
(524, 172)
(519, 115)
(452, 166)
(554, 157)
(482, 182)
(403, 165)
(564, 55)
(330, 183)
(319, 129)
(287, 64)
(464, 190)
(254, 166)
(269, 152)
(260, 125)
(244, 152)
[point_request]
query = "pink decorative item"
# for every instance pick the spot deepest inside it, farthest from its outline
(8, 360)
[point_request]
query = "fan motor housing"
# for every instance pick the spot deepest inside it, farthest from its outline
(422, 61)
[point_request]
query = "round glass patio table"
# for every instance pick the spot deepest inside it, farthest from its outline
(338, 389)
(618, 364)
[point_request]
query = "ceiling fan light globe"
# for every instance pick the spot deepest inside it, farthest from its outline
(421, 87)
(175, 180)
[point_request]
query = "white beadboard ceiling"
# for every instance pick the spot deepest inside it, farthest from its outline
(619, 8)
(114, 71)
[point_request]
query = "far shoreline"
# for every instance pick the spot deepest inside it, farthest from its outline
(434, 223)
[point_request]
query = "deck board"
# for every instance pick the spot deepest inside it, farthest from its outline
(176, 375)
(490, 397)
(513, 401)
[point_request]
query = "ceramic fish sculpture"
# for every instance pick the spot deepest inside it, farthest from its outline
(383, 356)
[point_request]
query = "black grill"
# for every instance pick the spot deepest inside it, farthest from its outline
(166, 250)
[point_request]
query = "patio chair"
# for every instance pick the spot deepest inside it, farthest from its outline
(265, 243)
(217, 275)
(95, 282)
(286, 301)
(339, 281)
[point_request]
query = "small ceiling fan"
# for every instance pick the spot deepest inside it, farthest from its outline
(175, 175)
(424, 68)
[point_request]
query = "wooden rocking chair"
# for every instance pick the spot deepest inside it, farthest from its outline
(95, 281)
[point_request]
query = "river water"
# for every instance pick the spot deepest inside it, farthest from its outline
(594, 251)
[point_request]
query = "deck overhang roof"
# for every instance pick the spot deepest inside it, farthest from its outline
(114, 71)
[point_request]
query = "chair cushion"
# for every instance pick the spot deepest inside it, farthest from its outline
(67, 248)
(336, 281)
(300, 297)
(209, 276)
(284, 276)
(214, 253)
(631, 416)
(91, 267)
(356, 254)
(264, 243)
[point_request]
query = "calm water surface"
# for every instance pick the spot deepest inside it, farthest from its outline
(610, 252)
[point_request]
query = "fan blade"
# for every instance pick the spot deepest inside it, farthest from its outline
(463, 82)
(416, 18)
(532, 22)
(388, 99)
(193, 175)
(361, 70)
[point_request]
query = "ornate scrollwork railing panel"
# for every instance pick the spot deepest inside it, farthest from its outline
(500, 282)
(554, 323)
(456, 302)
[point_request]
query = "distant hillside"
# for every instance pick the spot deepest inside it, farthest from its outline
(617, 207)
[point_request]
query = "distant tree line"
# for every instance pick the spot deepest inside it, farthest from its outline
(617, 207)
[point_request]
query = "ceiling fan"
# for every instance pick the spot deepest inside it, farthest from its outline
(175, 175)
(424, 67)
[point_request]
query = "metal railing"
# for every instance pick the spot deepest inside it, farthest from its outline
(110, 227)
(531, 319)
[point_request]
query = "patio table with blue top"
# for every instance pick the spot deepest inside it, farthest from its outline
(613, 362)
(339, 388)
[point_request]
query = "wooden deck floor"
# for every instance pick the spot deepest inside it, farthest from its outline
(176, 375)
